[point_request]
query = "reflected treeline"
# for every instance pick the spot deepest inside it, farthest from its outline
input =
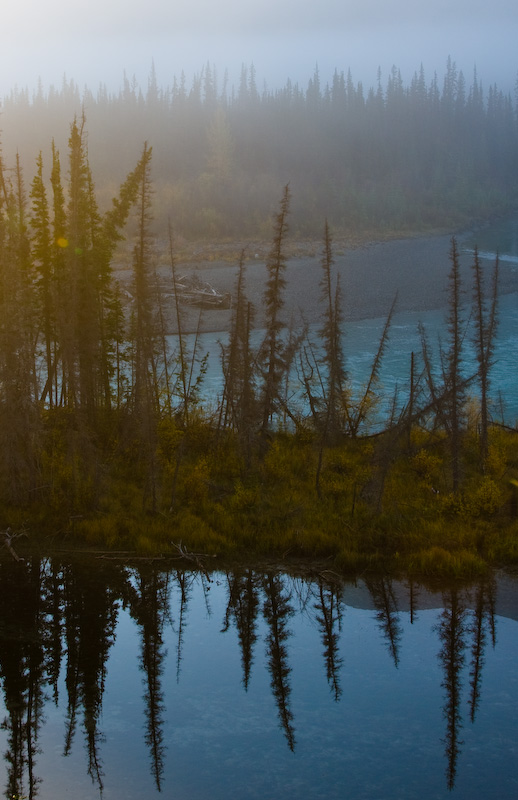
(25, 667)
(58, 623)
(90, 608)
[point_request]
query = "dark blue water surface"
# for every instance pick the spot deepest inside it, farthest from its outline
(120, 681)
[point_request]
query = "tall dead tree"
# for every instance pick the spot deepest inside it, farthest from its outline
(485, 318)
(449, 396)
(452, 362)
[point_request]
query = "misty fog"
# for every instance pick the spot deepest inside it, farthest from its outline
(95, 42)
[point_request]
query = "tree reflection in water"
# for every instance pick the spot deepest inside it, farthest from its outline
(453, 628)
(91, 604)
(184, 582)
(384, 600)
(329, 619)
(277, 611)
(149, 602)
(22, 655)
(243, 608)
(483, 622)
(58, 624)
(452, 631)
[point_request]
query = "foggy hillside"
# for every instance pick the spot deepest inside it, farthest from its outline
(391, 158)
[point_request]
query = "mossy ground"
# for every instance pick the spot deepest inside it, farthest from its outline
(369, 511)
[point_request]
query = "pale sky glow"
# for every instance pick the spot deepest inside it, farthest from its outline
(94, 41)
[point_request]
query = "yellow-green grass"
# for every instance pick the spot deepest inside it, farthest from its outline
(370, 507)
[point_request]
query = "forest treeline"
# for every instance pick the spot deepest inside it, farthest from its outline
(389, 158)
(59, 620)
(105, 433)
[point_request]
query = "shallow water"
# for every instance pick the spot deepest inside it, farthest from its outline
(118, 681)
(361, 338)
(360, 343)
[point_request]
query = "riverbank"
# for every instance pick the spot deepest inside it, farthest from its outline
(415, 269)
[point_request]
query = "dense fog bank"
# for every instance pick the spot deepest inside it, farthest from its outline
(391, 157)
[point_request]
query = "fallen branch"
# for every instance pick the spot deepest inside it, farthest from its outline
(329, 576)
(9, 535)
(194, 557)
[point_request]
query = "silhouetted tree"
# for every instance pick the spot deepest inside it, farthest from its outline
(273, 348)
(331, 334)
(19, 412)
(452, 363)
(448, 396)
(358, 413)
(484, 340)
(42, 259)
(238, 401)
(145, 400)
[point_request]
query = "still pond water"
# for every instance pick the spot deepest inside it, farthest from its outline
(127, 682)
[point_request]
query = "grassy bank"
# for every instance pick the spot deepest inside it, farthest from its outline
(364, 503)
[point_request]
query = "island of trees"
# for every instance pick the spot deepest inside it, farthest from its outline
(106, 436)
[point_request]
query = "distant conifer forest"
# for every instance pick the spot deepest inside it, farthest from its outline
(371, 160)
(106, 436)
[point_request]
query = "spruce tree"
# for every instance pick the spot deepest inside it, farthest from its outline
(19, 419)
(42, 260)
(145, 400)
(273, 347)
(331, 335)
(63, 350)
(237, 407)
